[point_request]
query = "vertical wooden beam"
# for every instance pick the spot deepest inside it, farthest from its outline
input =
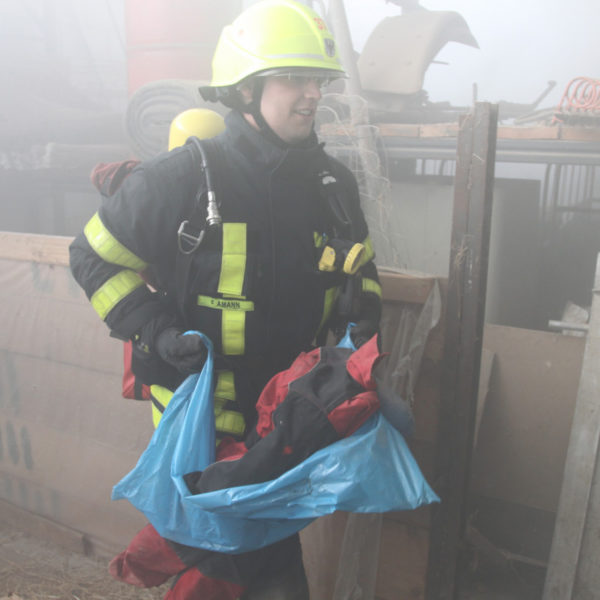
(473, 188)
(578, 505)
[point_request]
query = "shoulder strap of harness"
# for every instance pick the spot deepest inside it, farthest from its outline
(333, 194)
(205, 211)
(204, 214)
(335, 199)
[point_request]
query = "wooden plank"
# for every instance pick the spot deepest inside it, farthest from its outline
(546, 132)
(438, 130)
(580, 134)
(588, 574)
(462, 351)
(40, 527)
(321, 548)
(580, 466)
(66, 434)
(32, 247)
(403, 562)
(54, 250)
(402, 558)
(445, 130)
(405, 287)
(399, 129)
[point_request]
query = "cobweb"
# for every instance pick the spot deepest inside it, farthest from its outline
(361, 149)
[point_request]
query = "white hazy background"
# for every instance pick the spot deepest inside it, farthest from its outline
(522, 45)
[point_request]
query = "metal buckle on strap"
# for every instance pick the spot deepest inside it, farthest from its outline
(188, 242)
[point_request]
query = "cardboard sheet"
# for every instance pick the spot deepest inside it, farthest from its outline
(66, 435)
(524, 431)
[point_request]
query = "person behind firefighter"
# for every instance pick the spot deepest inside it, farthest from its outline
(268, 260)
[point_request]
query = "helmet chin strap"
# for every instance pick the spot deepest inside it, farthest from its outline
(253, 108)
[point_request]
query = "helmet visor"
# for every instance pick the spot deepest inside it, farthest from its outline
(300, 76)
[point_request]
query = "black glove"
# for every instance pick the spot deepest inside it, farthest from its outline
(362, 332)
(187, 353)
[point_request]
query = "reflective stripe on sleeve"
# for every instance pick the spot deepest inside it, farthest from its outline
(112, 291)
(370, 285)
(108, 248)
(160, 397)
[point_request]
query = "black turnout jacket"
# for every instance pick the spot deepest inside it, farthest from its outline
(273, 208)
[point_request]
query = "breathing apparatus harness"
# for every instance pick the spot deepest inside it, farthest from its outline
(190, 233)
(340, 253)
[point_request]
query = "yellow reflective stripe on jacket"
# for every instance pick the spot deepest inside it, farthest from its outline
(233, 321)
(225, 387)
(231, 283)
(108, 248)
(330, 297)
(227, 421)
(370, 285)
(160, 397)
(369, 253)
(233, 261)
(156, 415)
(112, 291)
(233, 332)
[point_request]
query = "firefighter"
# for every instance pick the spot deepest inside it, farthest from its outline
(258, 241)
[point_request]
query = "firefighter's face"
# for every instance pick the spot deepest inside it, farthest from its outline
(289, 104)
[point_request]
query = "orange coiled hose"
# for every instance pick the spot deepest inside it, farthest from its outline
(581, 94)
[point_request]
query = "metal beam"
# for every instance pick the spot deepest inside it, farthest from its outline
(507, 151)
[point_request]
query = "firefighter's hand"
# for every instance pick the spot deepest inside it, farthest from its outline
(362, 332)
(187, 353)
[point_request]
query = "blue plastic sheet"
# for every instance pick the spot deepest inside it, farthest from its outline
(370, 471)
